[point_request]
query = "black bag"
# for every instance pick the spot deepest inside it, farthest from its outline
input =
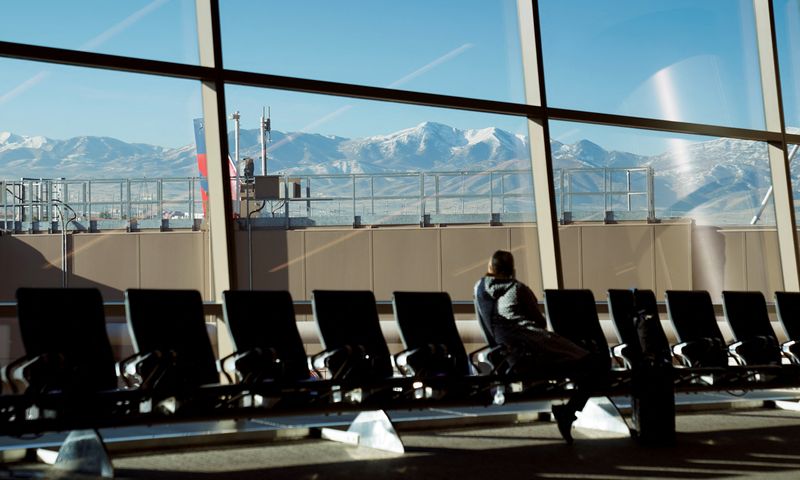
(653, 386)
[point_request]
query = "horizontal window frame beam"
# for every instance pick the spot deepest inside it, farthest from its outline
(104, 61)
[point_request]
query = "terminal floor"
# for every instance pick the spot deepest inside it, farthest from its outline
(713, 441)
(733, 443)
(759, 443)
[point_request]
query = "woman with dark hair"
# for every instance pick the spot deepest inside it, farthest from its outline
(509, 314)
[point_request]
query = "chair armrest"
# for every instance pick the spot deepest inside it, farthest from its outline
(620, 352)
(403, 361)
(144, 370)
(734, 350)
(429, 360)
(322, 360)
(251, 366)
(8, 373)
(791, 349)
(483, 361)
(679, 351)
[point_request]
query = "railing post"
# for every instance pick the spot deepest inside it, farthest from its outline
(308, 196)
(491, 194)
(502, 193)
(421, 198)
(651, 203)
(128, 196)
(436, 192)
(160, 196)
(191, 197)
(353, 176)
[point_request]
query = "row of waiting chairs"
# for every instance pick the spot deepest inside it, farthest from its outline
(63, 332)
(695, 322)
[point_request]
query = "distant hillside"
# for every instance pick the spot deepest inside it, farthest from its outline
(717, 181)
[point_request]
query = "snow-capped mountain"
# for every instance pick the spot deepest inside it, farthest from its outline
(699, 179)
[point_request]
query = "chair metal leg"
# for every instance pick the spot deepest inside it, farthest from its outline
(373, 429)
(84, 452)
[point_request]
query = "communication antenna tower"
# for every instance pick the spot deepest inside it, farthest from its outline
(266, 136)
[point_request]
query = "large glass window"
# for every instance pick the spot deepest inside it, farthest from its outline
(708, 200)
(152, 29)
(680, 60)
(377, 195)
(787, 31)
(454, 47)
(90, 161)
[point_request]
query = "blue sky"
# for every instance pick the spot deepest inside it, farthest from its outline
(681, 59)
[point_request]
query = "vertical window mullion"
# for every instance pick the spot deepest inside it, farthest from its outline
(220, 209)
(539, 144)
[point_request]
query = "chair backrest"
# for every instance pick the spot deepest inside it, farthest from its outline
(622, 308)
(692, 314)
(349, 318)
(265, 320)
(70, 323)
(172, 322)
(747, 314)
(426, 318)
(573, 314)
(788, 307)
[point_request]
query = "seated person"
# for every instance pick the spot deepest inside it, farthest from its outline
(509, 310)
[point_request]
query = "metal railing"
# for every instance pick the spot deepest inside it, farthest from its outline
(330, 199)
(605, 193)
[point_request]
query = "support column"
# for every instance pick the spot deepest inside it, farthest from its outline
(778, 157)
(539, 141)
(220, 210)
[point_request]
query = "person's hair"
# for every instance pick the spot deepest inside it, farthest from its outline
(502, 263)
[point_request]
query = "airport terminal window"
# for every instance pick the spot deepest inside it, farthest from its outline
(151, 29)
(787, 31)
(680, 60)
(85, 150)
(359, 178)
(454, 47)
(702, 195)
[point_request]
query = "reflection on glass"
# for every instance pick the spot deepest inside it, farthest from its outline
(455, 47)
(84, 150)
(787, 31)
(794, 171)
(707, 200)
(349, 161)
(680, 60)
(641, 175)
(152, 29)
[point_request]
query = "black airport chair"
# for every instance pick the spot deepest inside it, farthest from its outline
(266, 343)
(788, 307)
(756, 341)
(572, 313)
(692, 315)
(350, 331)
(168, 331)
(66, 345)
(634, 314)
(432, 344)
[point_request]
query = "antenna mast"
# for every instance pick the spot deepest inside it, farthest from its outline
(235, 116)
(266, 135)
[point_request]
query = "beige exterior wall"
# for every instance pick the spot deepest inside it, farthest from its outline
(674, 255)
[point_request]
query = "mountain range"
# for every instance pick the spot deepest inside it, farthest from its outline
(722, 178)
